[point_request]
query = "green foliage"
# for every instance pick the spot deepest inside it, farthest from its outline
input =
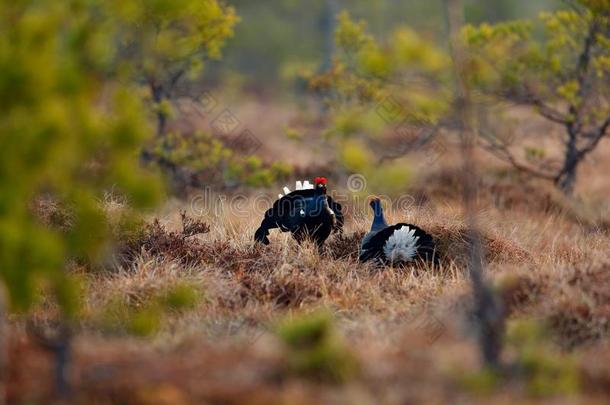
(208, 160)
(293, 134)
(481, 382)
(143, 322)
(537, 365)
(314, 350)
(354, 156)
(117, 315)
(141, 313)
(162, 42)
(495, 41)
(181, 297)
(165, 38)
(390, 178)
(365, 73)
(199, 151)
(545, 370)
(276, 35)
(533, 153)
(507, 60)
(254, 173)
(67, 132)
(564, 75)
(596, 6)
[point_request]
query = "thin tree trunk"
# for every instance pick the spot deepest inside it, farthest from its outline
(567, 180)
(157, 93)
(59, 344)
(329, 26)
(488, 311)
(146, 155)
(567, 177)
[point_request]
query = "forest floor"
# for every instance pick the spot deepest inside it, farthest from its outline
(199, 314)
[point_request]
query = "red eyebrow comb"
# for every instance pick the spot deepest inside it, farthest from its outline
(320, 180)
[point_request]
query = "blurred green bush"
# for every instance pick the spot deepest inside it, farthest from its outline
(67, 131)
(315, 351)
(73, 122)
(203, 160)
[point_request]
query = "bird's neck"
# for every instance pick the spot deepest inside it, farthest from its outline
(378, 219)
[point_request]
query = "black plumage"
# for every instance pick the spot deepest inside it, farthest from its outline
(395, 244)
(306, 214)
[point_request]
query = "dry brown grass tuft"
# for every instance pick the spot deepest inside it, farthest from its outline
(453, 244)
(344, 246)
(51, 212)
(157, 241)
(520, 291)
(581, 314)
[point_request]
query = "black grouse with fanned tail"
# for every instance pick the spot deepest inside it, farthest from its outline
(307, 213)
(395, 244)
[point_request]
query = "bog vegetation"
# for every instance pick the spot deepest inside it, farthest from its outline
(131, 184)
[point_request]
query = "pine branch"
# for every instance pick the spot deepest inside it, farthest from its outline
(595, 136)
(502, 152)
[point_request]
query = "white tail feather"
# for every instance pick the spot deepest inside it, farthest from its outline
(401, 246)
(298, 185)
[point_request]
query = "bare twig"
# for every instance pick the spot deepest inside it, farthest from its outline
(577, 142)
(595, 137)
(502, 152)
(407, 147)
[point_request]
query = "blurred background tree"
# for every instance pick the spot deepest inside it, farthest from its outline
(164, 45)
(384, 98)
(277, 41)
(564, 77)
(165, 42)
(390, 97)
(274, 50)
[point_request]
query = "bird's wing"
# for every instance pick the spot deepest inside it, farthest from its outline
(366, 253)
(288, 212)
(378, 238)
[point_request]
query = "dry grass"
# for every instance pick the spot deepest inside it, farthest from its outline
(547, 258)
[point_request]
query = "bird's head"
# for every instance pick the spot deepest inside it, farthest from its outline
(320, 184)
(375, 202)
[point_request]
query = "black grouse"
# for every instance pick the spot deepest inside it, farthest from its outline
(395, 244)
(307, 213)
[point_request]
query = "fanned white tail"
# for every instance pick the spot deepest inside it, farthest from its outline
(402, 245)
(298, 185)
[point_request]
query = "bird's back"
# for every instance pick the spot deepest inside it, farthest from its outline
(298, 208)
(307, 212)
